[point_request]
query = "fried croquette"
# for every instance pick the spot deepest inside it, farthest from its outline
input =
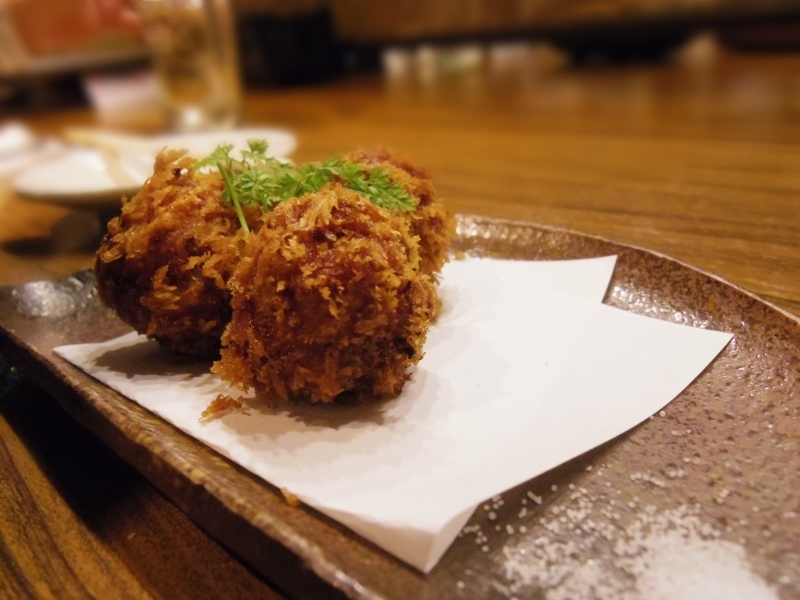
(430, 220)
(328, 298)
(325, 295)
(165, 262)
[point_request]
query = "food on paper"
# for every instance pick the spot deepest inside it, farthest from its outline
(220, 405)
(328, 298)
(313, 281)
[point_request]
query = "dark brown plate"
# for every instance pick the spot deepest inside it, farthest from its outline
(719, 468)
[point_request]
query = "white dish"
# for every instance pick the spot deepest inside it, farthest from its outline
(97, 178)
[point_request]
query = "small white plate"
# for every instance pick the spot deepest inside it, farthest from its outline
(87, 178)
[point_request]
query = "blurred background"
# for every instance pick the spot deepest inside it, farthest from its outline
(295, 42)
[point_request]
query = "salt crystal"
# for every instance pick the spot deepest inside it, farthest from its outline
(537, 499)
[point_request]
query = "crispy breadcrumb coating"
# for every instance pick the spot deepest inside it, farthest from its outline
(165, 261)
(328, 295)
(430, 221)
(327, 298)
(222, 403)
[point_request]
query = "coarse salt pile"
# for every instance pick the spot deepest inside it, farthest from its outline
(667, 555)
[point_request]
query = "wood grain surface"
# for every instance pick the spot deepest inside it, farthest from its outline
(699, 163)
(78, 522)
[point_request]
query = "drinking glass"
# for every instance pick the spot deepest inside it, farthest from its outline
(195, 58)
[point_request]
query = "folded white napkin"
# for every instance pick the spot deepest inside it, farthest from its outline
(524, 370)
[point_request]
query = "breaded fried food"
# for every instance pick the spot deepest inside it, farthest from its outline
(430, 221)
(328, 298)
(165, 262)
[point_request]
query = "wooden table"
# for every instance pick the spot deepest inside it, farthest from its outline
(696, 162)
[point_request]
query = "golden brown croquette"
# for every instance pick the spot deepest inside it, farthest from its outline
(165, 261)
(430, 221)
(327, 294)
(328, 298)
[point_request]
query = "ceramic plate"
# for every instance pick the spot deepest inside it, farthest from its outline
(704, 493)
(97, 179)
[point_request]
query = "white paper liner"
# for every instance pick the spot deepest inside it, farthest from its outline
(524, 370)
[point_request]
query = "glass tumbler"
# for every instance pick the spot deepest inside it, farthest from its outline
(194, 51)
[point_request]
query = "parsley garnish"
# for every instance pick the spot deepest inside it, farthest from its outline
(259, 180)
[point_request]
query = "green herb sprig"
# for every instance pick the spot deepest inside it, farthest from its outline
(260, 180)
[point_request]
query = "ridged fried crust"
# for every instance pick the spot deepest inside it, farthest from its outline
(165, 262)
(329, 294)
(327, 298)
(431, 221)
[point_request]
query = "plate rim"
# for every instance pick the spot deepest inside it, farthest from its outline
(110, 197)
